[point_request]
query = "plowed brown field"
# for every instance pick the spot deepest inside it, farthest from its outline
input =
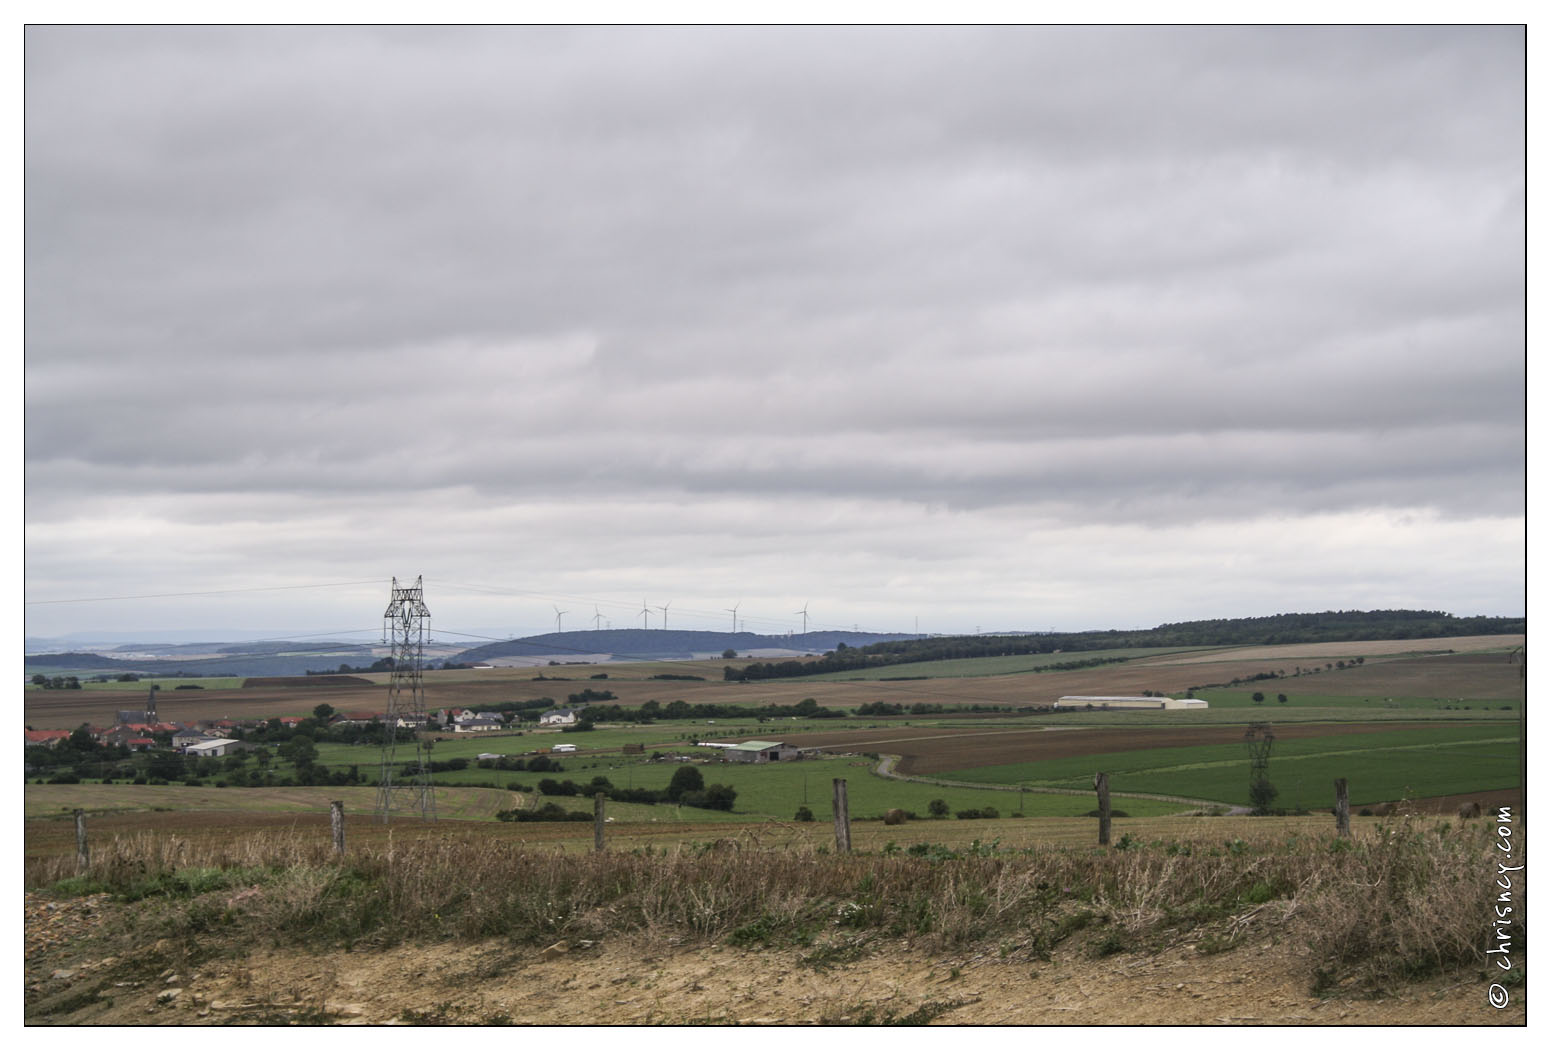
(929, 750)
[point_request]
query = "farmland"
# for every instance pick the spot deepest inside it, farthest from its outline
(951, 917)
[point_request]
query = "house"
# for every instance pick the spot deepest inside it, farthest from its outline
(183, 738)
(477, 725)
(559, 717)
(47, 738)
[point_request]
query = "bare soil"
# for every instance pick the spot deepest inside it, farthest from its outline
(638, 980)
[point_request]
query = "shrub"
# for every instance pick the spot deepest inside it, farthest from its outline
(803, 814)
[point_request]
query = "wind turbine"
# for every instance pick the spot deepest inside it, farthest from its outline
(558, 614)
(644, 613)
(804, 612)
(664, 608)
(734, 612)
(596, 617)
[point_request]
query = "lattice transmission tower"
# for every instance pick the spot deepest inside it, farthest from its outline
(408, 790)
(1258, 738)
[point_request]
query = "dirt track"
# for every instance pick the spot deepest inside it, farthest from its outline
(639, 981)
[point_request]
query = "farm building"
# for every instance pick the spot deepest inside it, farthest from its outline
(762, 752)
(1127, 703)
(564, 748)
(211, 749)
(477, 725)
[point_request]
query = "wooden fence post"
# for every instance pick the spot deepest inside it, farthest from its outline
(337, 821)
(82, 860)
(1101, 785)
(842, 818)
(597, 821)
(1343, 809)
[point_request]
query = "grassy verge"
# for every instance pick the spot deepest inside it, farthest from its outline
(1410, 900)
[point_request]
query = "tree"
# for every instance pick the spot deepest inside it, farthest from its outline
(1262, 794)
(40, 680)
(685, 779)
(323, 712)
(719, 797)
(803, 814)
(937, 808)
(300, 750)
(729, 653)
(1281, 698)
(1258, 697)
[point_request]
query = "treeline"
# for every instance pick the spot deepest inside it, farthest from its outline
(687, 788)
(1334, 626)
(651, 711)
(853, 660)
(927, 708)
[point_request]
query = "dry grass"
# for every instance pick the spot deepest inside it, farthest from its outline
(1411, 900)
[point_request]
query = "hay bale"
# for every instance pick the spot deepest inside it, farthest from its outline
(1384, 810)
(894, 817)
(1469, 810)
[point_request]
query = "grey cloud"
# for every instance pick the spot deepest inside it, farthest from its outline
(1190, 274)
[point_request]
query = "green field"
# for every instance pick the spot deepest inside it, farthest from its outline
(778, 789)
(1370, 705)
(764, 790)
(1382, 766)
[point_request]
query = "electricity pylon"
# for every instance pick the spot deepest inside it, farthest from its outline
(405, 619)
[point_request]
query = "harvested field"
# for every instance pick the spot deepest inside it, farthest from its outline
(303, 682)
(1340, 650)
(1467, 676)
(1473, 677)
(928, 750)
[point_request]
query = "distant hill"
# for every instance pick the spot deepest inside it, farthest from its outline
(1335, 626)
(234, 660)
(664, 644)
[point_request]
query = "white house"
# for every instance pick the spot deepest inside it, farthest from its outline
(559, 717)
(477, 725)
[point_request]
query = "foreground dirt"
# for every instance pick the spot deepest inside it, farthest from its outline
(639, 981)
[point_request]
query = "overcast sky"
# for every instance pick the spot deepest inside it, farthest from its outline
(957, 329)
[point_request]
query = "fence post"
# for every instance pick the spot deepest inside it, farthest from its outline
(597, 821)
(81, 857)
(1101, 785)
(842, 818)
(1343, 809)
(337, 821)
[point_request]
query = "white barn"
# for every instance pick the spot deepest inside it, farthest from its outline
(1109, 703)
(211, 749)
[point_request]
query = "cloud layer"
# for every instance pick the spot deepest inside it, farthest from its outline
(1008, 323)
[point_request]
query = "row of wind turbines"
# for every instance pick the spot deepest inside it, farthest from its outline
(598, 619)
